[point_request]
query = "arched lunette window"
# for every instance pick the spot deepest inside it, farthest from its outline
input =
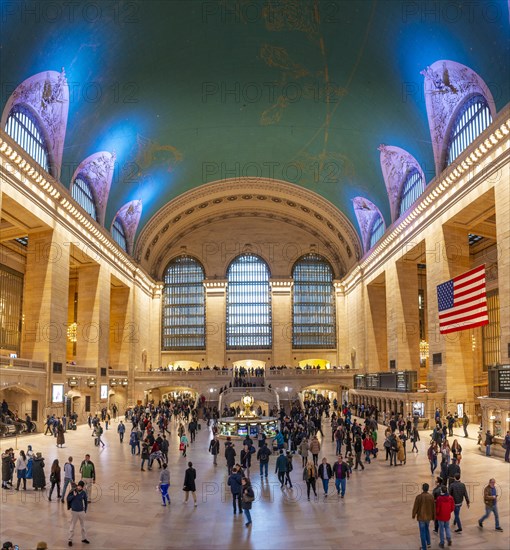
(313, 303)
(377, 230)
(183, 316)
(119, 234)
(413, 187)
(22, 126)
(82, 194)
(248, 304)
(472, 119)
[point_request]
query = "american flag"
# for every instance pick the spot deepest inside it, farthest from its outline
(462, 302)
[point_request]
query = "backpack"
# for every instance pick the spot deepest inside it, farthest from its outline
(252, 449)
(264, 457)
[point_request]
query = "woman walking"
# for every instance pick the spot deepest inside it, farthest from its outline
(38, 476)
(184, 444)
(456, 451)
(310, 477)
(247, 497)
(303, 451)
(21, 469)
(60, 435)
(189, 483)
(55, 476)
(164, 484)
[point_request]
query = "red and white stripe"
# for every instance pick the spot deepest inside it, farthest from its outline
(469, 303)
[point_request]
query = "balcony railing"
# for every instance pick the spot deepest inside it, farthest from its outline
(75, 369)
(22, 364)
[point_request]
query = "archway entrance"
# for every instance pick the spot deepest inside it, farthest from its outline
(314, 363)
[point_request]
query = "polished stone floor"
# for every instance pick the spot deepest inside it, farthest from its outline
(127, 514)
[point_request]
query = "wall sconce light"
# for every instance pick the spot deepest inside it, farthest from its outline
(125, 382)
(72, 382)
(91, 382)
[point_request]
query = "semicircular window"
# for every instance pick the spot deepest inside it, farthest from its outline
(183, 316)
(23, 127)
(313, 303)
(119, 234)
(248, 304)
(82, 194)
(377, 230)
(413, 187)
(472, 119)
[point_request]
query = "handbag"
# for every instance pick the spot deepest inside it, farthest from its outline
(181, 447)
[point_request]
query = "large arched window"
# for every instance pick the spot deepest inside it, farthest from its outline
(248, 304)
(377, 230)
(472, 119)
(24, 129)
(119, 234)
(313, 304)
(82, 194)
(413, 187)
(183, 316)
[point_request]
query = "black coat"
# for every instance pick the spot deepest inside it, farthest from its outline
(6, 468)
(247, 492)
(38, 475)
(230, 455)
(189, 480)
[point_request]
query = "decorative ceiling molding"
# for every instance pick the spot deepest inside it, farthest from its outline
(130, 215)
(447, 85)
(331, 251)
(46, 95)
(290, 201)
(97, 169)
(366, 212)
(396, 163)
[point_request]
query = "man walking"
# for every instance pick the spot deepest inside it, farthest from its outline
(341, 471)
(424, 510)
(77, 502)
(465, 423)
(444, 508)
(88, 474)
(490, 498)
(234, 482)
(458, 492)
(68, 476)
(263, 455)
(281, 468)
(121, 430)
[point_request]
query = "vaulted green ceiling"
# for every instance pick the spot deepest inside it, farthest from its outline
(188, 92)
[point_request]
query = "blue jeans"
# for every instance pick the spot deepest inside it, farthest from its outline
(424, 534)
(164, 493)
(367, 456)
(444, 527)
(487, 450)
(488, 510)
(456, 521)
(247, 514)
(263, 466)
(340, 484)
(433, 464)
(67, 481)
(325, 485)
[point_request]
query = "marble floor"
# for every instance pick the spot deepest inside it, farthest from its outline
(126, 512)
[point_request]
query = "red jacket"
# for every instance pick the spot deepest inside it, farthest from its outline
(368, 444)
(445, 505)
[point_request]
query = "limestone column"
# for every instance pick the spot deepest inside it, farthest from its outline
(502, 201)
(447, 252)
(120, 327)
(45, 300)
(93, 330)
(215, 318)
(342, 338)
(156, 336)
(403, 315)
(281, 305)
(376, 327)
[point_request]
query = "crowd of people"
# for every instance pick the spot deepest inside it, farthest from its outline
(299, 443)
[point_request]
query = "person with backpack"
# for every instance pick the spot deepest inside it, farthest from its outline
(68, 476)
(310, 477)
(88, 473)
(77, 503)
(234, 482)
(263, 455)
(99, 433)
(246, 458)
(341, 472)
